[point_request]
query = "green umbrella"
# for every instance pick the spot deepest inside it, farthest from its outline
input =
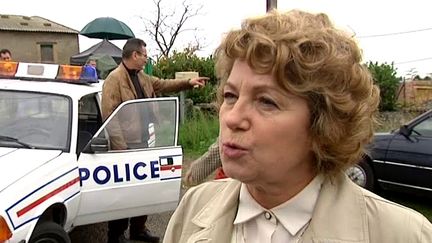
(107, 28)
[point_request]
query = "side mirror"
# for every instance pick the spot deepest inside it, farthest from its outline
(97, 145)
(405, 131)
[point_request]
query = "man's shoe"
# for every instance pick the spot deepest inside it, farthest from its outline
(145, 236)
(121, 239)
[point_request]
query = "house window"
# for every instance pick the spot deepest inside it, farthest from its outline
(47, 53)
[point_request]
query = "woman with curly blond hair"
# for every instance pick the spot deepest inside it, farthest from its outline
(297, 108)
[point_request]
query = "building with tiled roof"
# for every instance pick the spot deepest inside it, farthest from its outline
(36, 39)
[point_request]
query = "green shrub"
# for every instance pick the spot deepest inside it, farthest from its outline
(198, 132)
(203, 95)
(385, 77)
(186, 61)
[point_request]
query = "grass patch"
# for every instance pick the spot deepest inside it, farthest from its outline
(198, 132)
(415, 202)
(393, 120)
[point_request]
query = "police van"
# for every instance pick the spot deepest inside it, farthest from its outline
(58, 168)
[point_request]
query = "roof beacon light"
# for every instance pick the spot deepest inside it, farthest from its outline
(69, 72)
(48, 72)
(37, 70)
(8, 69)
(89, 73)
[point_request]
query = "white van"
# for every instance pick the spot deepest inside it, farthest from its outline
(57, 169)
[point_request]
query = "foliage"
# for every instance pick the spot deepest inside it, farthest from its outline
(198, 132)
(418, 77)
(385, 77)
(187, 60)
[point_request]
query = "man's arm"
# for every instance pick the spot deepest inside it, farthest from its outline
(175, 85)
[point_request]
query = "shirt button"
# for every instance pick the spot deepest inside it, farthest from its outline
(267, 215)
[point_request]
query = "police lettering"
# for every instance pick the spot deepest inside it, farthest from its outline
(103, 174)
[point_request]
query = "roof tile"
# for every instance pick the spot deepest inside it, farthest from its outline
(32, 24)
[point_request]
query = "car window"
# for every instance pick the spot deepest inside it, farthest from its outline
(142, 125)
(39, 119)
(425, 127)
(89, 120)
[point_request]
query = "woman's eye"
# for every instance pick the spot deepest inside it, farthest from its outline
(229, 97)
(267, 102)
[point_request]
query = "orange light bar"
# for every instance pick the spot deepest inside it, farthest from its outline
(5, 233)
(8, 68)
(69, 72)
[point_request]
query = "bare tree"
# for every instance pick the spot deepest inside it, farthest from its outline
(166, 26)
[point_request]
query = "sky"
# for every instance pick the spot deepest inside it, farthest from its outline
(387, 31)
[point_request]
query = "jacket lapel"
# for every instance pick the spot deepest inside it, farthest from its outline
(217, 216)
(339, 215)
(128, 84)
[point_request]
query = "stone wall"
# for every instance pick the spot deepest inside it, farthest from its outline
(25, 46)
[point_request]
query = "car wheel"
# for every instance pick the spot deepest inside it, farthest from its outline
(362, 175)
(49, 232)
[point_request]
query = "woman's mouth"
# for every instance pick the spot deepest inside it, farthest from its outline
(233, 151)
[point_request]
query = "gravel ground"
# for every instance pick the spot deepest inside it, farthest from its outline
(97, 233)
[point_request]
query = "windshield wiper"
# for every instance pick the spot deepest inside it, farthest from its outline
(15, 140)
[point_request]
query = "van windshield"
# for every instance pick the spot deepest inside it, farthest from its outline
(40, 120)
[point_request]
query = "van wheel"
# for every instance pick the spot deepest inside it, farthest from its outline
(49, 232)
(362, 174)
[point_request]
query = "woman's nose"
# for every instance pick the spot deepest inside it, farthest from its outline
(237, 117)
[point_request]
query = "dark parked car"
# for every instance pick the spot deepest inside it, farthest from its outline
(399, 160)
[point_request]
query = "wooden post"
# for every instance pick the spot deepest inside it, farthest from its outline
(184, 75)
(271, 4)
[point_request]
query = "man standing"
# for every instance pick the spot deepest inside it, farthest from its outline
(5, 55)
(127, 82)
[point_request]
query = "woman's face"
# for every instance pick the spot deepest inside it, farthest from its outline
(264, 130)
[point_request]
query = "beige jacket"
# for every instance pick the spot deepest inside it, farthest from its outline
(118, 88)
(344, 213)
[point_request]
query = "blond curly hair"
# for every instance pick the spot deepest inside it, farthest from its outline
(309, 57)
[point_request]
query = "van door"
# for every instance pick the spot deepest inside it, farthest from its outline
(132, 166)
